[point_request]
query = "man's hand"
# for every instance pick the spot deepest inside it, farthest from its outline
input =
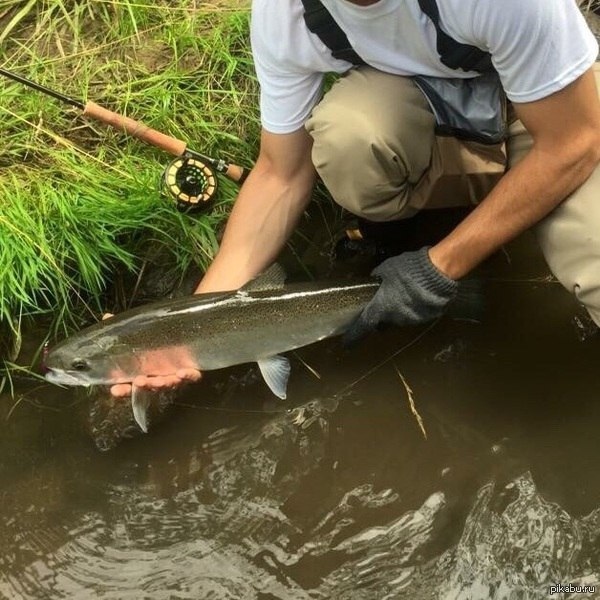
(161, 382)
(565, 128)
(167, 361)
(412, 291)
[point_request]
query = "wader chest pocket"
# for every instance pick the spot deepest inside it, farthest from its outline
(470, 109)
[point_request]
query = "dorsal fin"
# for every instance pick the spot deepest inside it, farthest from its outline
(272, 278)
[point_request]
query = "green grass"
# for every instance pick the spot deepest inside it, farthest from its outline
(81, 204)
(79, 201)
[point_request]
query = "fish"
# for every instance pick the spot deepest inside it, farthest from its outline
(254, 324)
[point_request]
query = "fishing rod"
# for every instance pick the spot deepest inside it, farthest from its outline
(190, 178)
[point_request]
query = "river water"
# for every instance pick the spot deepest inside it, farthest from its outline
(334, 493)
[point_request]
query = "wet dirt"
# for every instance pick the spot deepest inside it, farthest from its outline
(334, 493)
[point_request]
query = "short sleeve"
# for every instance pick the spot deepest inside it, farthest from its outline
(538, 46)
(288, 90)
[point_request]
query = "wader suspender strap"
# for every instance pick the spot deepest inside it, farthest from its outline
(452, 53)
(319, 20)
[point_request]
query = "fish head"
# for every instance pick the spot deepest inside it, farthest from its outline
(89, 358)
(116, 351)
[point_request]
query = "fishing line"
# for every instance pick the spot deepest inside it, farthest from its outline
(36, 403)
(388, 359)
(341, 392)
(234, 410)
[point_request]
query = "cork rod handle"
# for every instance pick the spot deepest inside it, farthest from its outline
(135, 129)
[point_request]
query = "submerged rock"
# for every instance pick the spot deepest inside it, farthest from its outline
(110, 420)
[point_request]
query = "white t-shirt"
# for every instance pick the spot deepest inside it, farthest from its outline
(537, 46)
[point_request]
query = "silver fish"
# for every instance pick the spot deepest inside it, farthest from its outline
(206, 332)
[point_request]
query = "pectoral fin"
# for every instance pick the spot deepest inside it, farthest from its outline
(140, 401)
(276, 372)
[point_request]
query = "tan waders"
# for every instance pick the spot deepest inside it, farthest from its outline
(375, 150)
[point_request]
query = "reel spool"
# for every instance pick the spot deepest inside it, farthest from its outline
(191, 182)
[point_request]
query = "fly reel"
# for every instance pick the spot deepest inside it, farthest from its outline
(191, 182)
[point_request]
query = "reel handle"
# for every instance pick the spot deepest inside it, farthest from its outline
(236, 173)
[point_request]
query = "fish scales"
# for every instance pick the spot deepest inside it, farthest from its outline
(263, 324)
(214, 330)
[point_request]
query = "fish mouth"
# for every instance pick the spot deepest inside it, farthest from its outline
(61, 377)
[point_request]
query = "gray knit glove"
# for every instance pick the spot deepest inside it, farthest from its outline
(412, 291)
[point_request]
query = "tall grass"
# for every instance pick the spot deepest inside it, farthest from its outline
(79, 201)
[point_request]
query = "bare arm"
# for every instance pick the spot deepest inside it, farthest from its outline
(268, 208)
(566, 149)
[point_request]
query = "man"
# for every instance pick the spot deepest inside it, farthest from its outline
(371, 139)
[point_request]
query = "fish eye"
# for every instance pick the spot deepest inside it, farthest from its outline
(79, 364)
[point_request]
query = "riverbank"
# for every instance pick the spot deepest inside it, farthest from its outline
(83, 216)
(82, 204)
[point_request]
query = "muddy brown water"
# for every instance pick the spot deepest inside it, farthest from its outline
(333, 493)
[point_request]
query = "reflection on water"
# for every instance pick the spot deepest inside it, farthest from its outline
(334, 494)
